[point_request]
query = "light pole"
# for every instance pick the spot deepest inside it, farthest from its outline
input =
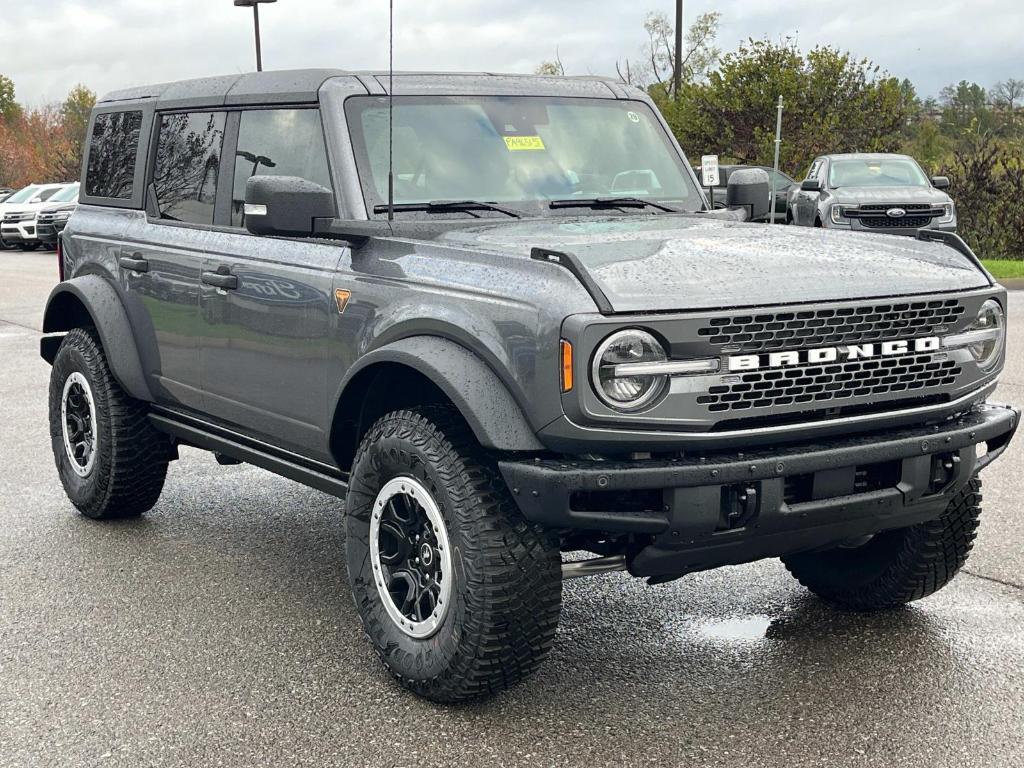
(677, 76)
(255, 5)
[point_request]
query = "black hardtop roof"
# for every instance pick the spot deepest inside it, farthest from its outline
(303, 85)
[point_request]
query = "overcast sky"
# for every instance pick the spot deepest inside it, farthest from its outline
(46, 46)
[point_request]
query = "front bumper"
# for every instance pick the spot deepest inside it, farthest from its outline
(856, 225)
(49, 234)
(695, 513)
(19, 233)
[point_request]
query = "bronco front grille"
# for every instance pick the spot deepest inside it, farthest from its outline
(830, 327)
(813, 384)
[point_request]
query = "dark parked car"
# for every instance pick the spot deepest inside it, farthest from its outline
(782, 185)
(874, 193)
(5, 192)
(543, 341)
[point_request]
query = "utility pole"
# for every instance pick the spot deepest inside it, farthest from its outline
(778, 145)
(677, 77)
(255, 4)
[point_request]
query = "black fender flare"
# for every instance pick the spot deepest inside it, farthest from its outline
(473, 387)
(103, 309)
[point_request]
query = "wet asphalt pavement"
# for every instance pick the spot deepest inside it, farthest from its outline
(218, 630)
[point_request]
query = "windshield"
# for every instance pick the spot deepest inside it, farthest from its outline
(520, 152)
(890, 172)
(22, 195)
(66, 195)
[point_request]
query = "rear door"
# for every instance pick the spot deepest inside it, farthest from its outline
(162, 256)
(265, 337)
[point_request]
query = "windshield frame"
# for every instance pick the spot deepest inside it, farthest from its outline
(864, 160)
(355, 105)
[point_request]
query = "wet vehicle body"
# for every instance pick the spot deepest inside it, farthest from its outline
(520, 332)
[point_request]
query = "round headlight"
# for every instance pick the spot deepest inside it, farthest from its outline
(619, 388)
(991, 331)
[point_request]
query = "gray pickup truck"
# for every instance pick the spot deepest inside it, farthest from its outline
(497, 317)
(871, 192)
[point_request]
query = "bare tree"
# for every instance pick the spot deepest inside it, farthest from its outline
(1008, 94)
(657, 65)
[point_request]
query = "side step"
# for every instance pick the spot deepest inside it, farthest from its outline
(223, 441)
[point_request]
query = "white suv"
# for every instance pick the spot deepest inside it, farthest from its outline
(18, 214)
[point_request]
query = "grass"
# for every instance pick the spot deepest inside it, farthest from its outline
(1003, 269)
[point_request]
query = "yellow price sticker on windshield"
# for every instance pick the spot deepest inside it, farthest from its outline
(525, 144)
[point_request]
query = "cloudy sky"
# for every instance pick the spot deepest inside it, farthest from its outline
(46, 46)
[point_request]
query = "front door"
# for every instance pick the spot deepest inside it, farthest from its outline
(267, 306)
(265, 336)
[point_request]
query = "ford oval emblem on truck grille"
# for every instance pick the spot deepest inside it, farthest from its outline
(896, 213)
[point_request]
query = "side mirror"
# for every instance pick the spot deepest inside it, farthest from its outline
(750, 189)
(940, 182)
(810, 185)
(285, 205)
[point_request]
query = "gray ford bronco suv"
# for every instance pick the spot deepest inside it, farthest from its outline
(521, 332)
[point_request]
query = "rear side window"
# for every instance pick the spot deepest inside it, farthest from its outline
(187, 163)
(278, 142)
(113, 147)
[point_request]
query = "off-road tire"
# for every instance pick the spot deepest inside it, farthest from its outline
(895, 567)
(131, 456)
(507, 588)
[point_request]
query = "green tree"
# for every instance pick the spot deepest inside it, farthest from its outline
(9, 109)
(833, 103)
(69, 147)
(553, 67)
(965, 107)
(75, 111)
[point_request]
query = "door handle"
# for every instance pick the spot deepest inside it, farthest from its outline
(134, 263)
(220, 280)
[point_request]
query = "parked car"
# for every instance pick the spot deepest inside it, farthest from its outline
(18, 215)
(21, 196)
(5, 192)
(53, 217)
(523, 333)
(782, 185)
(874, 193)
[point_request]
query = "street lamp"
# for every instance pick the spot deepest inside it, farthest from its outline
(255, 5)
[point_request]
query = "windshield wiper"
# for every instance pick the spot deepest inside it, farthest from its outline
(612, 202)
(444, 206)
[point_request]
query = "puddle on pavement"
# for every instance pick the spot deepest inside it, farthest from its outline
(739, 628)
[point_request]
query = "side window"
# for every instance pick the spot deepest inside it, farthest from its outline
(113, 147)
(187, 162)
(815, 167)
(278, 142)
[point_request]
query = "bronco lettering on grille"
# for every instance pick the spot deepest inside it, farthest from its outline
(824, 355)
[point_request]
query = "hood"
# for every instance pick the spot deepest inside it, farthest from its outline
(889, 195)
(57, 207)
(652, 263)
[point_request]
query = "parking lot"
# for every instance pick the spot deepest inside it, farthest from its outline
(218, 630)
